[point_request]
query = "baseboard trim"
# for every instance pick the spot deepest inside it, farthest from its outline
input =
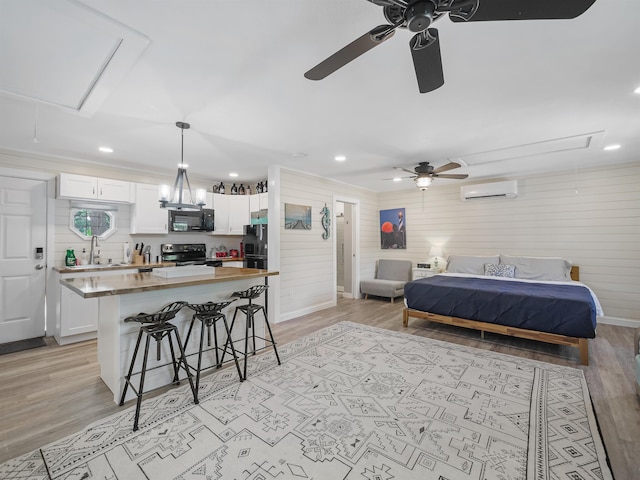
(621, 322)
(306, 311)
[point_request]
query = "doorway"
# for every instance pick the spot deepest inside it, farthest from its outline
(23, 247)
(346, 251)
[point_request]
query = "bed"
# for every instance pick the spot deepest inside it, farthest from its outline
(538, 298)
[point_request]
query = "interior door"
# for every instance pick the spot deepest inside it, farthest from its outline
(23, 205)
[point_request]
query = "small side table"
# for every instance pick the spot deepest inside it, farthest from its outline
(424, 272)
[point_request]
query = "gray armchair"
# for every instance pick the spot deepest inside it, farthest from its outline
(391, 277)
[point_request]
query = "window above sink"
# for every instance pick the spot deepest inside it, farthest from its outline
(87, 222)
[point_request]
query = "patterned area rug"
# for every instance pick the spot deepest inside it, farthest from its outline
(349, 402)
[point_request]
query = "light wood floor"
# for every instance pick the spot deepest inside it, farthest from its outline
(50, 392)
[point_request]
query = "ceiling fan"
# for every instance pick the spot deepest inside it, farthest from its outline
(423, 174)
(418, 15)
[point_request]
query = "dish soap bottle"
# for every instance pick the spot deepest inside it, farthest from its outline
(70, 259)
(83, 257)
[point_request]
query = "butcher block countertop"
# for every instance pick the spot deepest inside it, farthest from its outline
(101, 286)
(111, 266)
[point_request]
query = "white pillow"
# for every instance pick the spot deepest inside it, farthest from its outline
(469, 263)
(539, 268)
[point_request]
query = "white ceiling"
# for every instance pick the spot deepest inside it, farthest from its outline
(519, 97)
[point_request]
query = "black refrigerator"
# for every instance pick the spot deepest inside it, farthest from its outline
(255, 246)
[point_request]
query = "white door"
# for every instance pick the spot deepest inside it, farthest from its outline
(23, 205)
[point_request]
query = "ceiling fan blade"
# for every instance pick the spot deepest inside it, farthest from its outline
(425, 50)
(405, 170)
(487, 10)
(447, 167)
(455, 176)
(352, 51)
(393, 178)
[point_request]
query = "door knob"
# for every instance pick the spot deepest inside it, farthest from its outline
(39, 267)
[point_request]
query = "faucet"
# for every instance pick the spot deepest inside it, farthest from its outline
(92, 255)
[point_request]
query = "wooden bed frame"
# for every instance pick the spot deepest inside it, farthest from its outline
(581, 343)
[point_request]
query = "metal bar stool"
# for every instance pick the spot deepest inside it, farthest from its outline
(250, 309)
(156, 326)
(208, 314)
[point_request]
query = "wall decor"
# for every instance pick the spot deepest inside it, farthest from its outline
(393, 231)
(326, 222)
(297, 217)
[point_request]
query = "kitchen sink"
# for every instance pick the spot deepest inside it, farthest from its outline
(96, 265)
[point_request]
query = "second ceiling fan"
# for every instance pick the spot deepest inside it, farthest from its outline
(418, 15)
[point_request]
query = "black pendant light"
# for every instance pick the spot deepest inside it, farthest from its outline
(176, 198)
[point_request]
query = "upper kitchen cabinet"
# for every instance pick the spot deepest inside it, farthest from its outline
(258, 202)
(231, 213)
(146, 214)
(82, 187)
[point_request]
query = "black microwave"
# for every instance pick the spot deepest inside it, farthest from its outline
(191, 221)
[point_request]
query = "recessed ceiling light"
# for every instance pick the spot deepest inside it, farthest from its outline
(233, 174)
(340, 158)
(612, 147)
(637, 90)
(106, 149)
(397, 179)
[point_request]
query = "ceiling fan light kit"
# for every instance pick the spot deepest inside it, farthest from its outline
(175, 198)
(423, 183)
(418, 15)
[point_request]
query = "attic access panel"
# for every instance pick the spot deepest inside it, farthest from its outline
(564, 144)
(63, 53)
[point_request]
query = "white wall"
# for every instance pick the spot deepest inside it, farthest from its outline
(591, 218)
(307, 262)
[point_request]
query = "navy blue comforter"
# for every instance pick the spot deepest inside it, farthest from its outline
(562, 309)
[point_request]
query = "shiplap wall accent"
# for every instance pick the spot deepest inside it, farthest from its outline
(111, 248)
(307, 280)
(591, 217)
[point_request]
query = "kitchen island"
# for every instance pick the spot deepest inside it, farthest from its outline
(124, 295)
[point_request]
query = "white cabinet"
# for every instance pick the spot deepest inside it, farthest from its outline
(93, 188)
(74, 319)
(231, 213)
(424, 273)
(146, 214)
(239, 214)
(220, 205)
(78, 315)
(233, 264)
(258, 202)
(77, 186)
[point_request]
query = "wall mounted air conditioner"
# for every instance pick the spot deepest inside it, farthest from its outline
(508, 189)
